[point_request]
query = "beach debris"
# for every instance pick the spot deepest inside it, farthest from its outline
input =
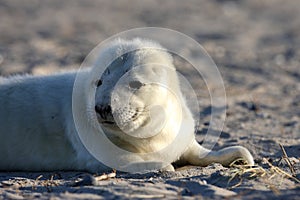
(89, 179)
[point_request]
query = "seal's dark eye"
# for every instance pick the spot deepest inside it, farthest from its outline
(135, 84)
(123, 57)
(99, 83)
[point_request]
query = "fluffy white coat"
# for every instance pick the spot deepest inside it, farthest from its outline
(37, 131)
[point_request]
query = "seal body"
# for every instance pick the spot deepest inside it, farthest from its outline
(37, 130)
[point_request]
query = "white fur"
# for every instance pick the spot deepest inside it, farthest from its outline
(37, 131)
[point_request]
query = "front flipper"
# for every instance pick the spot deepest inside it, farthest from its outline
(168, 168)
(200, 156)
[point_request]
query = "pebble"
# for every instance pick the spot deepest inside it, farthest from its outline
(250, 106)
(8, 195)
(280, 59)
(87, 180)
(291, 123)
(263, 115)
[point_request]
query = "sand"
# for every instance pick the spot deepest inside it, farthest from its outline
(255, 45)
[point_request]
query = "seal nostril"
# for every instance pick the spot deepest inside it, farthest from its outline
(109, 109)
(103, 111)
(98, 108)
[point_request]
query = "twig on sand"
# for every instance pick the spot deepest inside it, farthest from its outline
(48, 183)
(277, 170)
(287, 160)
(239, 170)
(34, 186)
(106, 176)
(89, 179)
(258, 171)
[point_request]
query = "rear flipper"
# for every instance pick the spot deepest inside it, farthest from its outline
(200, 156)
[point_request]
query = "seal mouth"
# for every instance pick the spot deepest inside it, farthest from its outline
(104, 121)
(108, 122)
(126, 120)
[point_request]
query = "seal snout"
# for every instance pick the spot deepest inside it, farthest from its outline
(105, 112)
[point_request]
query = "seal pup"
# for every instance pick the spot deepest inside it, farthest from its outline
(37, 130)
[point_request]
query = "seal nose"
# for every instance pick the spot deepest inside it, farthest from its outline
(103, 110)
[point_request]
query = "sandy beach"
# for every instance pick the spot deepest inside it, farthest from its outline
(255, 45)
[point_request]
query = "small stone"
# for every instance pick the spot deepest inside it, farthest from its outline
(263, 115)
(8, 195)
(291, 123)
(250, 106)
(280, 59)
(6, 183)
(86, 181)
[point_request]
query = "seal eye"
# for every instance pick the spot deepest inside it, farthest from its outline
(135, 84)
(99, 83)
(123, 57)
